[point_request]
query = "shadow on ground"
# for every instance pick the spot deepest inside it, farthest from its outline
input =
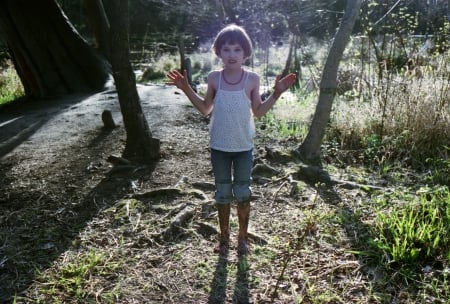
(23, 118)
(37, 224)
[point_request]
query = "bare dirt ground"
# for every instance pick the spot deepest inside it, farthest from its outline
(146, 234)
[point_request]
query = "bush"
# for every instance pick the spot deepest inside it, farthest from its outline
(10, 85)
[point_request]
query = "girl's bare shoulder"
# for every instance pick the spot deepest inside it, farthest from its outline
(253, 77)
(213, 74)
(213, 79)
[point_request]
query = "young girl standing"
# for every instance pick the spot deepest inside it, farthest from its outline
(232, 99)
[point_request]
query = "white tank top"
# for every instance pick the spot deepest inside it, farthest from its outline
(232, 127)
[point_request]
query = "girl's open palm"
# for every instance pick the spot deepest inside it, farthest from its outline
(284, 83)
(177, 79)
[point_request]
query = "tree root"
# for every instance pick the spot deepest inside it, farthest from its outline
(179, 221)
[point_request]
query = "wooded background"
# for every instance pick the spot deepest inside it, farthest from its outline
(56, 57)
(157, 24)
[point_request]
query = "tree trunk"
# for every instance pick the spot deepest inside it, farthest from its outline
(100, 25)
(140, 146)
(292, 64)
(309, 150)
(288, 64)
(229, 11)
(50, 57)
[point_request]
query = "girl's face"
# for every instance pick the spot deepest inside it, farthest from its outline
(232, 55)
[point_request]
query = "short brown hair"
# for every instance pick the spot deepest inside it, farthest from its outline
(233, 34)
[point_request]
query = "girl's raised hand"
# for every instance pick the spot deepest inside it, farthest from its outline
(281, 85)
(177, 79)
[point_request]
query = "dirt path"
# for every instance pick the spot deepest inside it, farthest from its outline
(62, 201)
(57, 132)
(54, 156)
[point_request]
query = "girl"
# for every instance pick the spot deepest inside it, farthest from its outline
(232, 99)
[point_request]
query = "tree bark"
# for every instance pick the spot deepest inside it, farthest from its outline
(50, 57)
(288, 65)
(229, 11)
(100, 25)
(292, 64)
(309, 150)
(140, 146)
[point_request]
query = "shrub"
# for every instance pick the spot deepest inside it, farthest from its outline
(10, 85)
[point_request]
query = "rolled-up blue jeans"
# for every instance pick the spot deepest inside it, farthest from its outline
(232, 174)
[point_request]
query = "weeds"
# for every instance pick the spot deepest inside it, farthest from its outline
(77, 279)
(439, 168)
(414, 229)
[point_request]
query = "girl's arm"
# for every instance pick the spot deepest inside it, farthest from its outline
(260, 107)
(203, 104)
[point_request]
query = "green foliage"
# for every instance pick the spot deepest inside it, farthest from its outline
(10, 85)
(157, 70)
(440, 168)
(372, 144)
(279, 128)
(289, 118)
(415, 17)
(414, 229)
(443, 32)
(152, 74)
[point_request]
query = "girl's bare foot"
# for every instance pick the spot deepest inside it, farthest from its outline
(243, 247)
(222, 245)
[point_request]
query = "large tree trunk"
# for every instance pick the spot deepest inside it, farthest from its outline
(140, 146)
(309, 150)
(50, 57)
(100, 25)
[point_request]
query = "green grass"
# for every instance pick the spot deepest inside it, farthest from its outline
(78, 279)
(413, 230)
(10, 85)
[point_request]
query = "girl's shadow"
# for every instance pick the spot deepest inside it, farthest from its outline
(241, 289)
(219, 283)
